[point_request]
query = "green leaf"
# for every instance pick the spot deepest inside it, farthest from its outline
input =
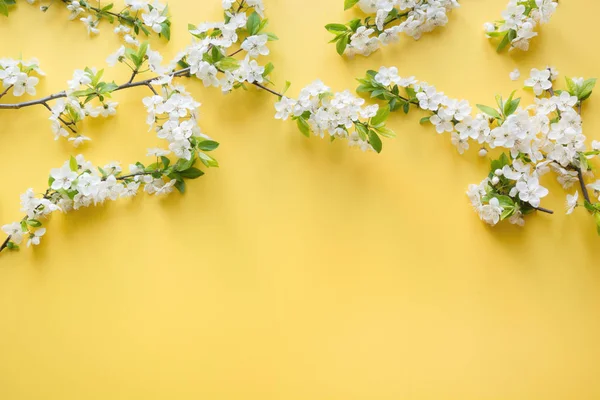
(182, 164)
(509, 37)
(11, 245)
(489, 111)
(34, 222)
(511, 106)
(382, 114)
(386, 132)
(342, 44)
(375, 141)
(191, 173)
(73, 164)
(350, 3)
(271, 37)
(424, 120)
(586, 89)
(227, 64)
(597, 218)
(362, 131)
(208, 145)
(208, 160)
(166, 162)
(166, 30)
(336, 28)
(180, 186)
(303, 126)
(572, 86)
(253, 23)
(268, 69)
(287, 86)
(3, 8)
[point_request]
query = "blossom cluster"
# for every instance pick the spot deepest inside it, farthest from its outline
(211, 58)
(542, 137)
(79, 184)
(17, 75)
(138, 16)
(518, 23)
(87, 96)
(339, 115)
(386, 20)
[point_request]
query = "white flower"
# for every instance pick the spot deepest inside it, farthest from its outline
(24, 84)
(572, 202)
(79, 140)
(530, 191)
(515, 74)
(90, 24)
(34, 238)
(154, 20)
(15, 232)
(63, 178)
(256, 45)
(284, 108)
(387, 76)
(116, 57)
(539, 81)
(490, 213)
(109, 109)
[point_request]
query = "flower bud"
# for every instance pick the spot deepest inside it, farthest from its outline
(498, 172)
(483, 152)
(495, 180)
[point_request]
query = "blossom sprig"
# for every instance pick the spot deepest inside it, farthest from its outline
(137, 17)
(78, 184)
(542, 137)
(89, 95)
(518, 23)
(211, 56)
(18, 76)
(337, 115)
(386, 20)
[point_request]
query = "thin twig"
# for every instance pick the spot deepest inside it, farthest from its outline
(5, 244)
(586, 195)
(545, 210)
(267, 89)
(6, 91)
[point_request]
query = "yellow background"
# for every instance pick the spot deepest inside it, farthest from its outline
(299, 269)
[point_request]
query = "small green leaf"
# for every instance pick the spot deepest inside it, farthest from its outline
(303, 126)
(34, 223)
(342, 44)
(489, 111)
(191, 173)
(586, 88)
(73, 164)
(253, 23)
(166, 162)
(424, 120)
(350, 3)
(375, 141)
(382, 114)
(386, 132)
(208, 145)
(336, 28)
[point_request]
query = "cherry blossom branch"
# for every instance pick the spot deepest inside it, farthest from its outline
(43, 101)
